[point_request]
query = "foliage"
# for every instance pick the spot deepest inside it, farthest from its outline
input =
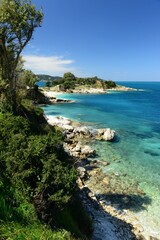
(67, 85)
(36, 95)
(18, 219)
(37, 180)
(69, 76)
(48, 84)
(34, 231)
(36, 165)
(69, 82)
(75, 219)
(27, 78)
(110, 84)
(36, 170)
(18, 19)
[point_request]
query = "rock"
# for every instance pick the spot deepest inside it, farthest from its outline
(80, 183)
(100, 132)
(67, 127)
(95, 161)
(108, 134)
(138, 227)
(82, 172)
(106, 180)
(103, 163)
(93, 132)
(77, 148)
(59, 121)
(82, 130)
(116, 174)
(94, 172)
(87, 150)
(70, 136)
(153, 238)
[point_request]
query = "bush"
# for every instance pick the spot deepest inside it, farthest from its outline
(35, 171)
(110, 84)
(35, 164)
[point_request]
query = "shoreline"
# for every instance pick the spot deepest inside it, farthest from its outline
(126, 216)
(51, 92)
(122, 89)
(90, 169)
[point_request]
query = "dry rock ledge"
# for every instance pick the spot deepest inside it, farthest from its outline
(109, 223)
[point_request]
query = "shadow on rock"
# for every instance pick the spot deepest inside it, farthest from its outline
(133, 202)
(105, 226)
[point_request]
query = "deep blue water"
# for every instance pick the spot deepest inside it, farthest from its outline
(135, 155)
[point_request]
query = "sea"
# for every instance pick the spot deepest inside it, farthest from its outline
(134, 156)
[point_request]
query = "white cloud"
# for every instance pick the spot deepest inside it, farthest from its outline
(52, 65)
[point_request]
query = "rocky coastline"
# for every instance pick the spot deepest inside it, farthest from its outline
(52, 97)
(110, 223)
(53, 91)
(122, 88)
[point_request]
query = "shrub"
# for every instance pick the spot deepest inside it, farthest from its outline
(35, 170)
(35, 164)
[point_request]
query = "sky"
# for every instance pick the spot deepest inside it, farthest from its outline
(110, 39)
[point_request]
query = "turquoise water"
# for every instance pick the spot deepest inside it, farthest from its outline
(135, 155)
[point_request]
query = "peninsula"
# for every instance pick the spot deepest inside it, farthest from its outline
(69, 83)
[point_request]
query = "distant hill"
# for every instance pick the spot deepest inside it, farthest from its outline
(46, 78)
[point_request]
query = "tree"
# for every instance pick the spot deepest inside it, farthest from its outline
(18, 20)
(69, 76)
(48, 84)
(27, 78)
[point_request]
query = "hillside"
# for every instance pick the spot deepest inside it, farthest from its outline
(45, 78)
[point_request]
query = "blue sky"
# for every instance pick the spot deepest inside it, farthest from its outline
(111, 39)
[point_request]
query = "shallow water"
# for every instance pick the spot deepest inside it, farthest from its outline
(135, 155)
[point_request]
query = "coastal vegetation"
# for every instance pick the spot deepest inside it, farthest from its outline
(16, 30)
(38, 190)
(69, 82)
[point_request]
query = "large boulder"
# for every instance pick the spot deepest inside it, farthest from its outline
(108, 134)
(82, 172)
